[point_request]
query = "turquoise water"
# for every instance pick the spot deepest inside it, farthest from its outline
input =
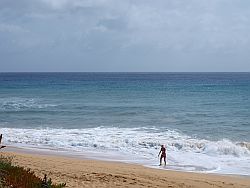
(133, 113)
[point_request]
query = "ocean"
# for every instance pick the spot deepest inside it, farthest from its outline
(202, 118)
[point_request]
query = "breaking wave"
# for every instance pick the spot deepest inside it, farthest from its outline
(142, 144)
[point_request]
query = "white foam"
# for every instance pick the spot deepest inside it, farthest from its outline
(141, 145)
(18, 103)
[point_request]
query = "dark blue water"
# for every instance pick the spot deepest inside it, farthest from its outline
(202, 118)
(211, 105)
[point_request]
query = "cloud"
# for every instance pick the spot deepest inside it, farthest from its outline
(9, 28)
(111, 30)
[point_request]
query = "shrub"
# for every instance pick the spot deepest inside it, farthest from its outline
(19, 177)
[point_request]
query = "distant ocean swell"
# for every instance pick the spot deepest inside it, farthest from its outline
(20, 104)
(184, 152)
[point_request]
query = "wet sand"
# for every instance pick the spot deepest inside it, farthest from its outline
(79, 173)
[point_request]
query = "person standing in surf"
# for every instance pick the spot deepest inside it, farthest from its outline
(163, 154)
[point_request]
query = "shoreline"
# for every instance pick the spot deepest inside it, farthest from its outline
(80, 171)
(138, 145)
(102, 157)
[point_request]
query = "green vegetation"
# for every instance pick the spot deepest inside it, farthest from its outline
(18, 177)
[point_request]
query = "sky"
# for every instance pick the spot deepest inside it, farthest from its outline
(124, 35)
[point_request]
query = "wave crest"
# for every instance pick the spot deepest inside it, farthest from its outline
(18, 104)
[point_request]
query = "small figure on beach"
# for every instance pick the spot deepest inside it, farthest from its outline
(1, 136)
(163, 154)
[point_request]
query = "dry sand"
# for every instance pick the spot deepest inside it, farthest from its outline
(92, 173)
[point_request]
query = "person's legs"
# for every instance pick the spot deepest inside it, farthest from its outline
(165, 161)
(160, 160)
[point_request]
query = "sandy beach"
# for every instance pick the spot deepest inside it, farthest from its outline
(79, 173)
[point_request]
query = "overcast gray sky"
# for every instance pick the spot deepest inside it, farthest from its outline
(124, 35)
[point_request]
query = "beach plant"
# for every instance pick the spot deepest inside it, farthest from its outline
(19, 177)
(47, 183)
